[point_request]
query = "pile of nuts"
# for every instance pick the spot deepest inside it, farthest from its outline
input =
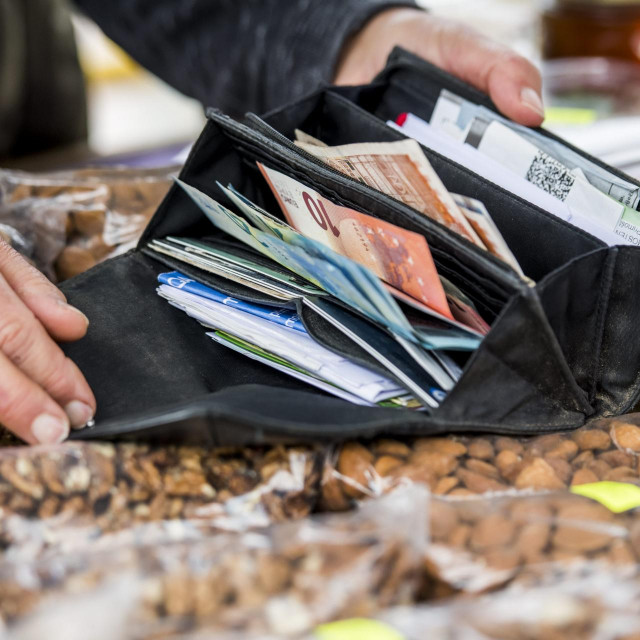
(499, 517)
(482, 542)
(464, 466)
(589, 601)
(114, 486)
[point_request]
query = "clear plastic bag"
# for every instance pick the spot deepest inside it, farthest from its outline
(281, 580)
(592, 602)
(66, 222)
(36, 229)
(484, 542)
(605, 449)
(59, 497)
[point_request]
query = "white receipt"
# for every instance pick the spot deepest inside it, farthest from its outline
(491, 170)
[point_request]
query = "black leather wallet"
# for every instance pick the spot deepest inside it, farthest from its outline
(557, 354)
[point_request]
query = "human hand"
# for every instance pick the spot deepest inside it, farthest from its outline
(513, 83)
(42, 393)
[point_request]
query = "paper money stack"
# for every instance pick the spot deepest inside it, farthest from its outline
(373, 282)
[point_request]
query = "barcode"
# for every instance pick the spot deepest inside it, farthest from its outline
(552, 176)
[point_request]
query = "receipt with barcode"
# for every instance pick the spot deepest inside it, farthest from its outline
(519, 153)
(503, 157)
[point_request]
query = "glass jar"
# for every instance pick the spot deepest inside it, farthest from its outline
(592, 28)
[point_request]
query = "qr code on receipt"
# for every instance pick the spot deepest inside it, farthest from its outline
(552, 176)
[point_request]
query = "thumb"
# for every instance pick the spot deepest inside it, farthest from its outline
(514, 85)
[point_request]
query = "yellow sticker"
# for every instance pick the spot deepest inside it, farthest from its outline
(616, 496)
(356, 629)
(569, 115)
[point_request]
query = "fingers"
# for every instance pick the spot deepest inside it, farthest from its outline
(513, 82)
(48, 304)
(25, 344)
(27, 410)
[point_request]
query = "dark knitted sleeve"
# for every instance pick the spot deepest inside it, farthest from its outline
(238, 55)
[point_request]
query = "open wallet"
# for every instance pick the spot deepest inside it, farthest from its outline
(563, 342)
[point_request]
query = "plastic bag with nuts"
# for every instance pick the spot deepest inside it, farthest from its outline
(484, 542)
(66, 222)
(284, 579)
(606, 449)
(52, 496)
(593, 602)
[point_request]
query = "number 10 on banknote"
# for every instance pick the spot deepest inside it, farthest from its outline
(398, 256)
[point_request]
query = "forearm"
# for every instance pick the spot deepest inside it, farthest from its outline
(239, 55)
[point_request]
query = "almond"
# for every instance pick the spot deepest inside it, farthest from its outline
(355, 463)
(444, 485)
(505, 443)
(386, 464)
(480, 466)
(584, 476)
(626, 436)
(566, 450)
(493, 531)
(440, 445)
(589, 439)
(481, 448)
(443, 519)
(532, 539)
(538, 475)
(392, 448)
(441, 464)
(478, 483)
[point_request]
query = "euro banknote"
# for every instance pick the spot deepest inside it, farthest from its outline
(399, 257)
(401, 170)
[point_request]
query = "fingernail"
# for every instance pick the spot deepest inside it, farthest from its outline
(80, 414)
(530, 98)
(68, 307)
(48, 429)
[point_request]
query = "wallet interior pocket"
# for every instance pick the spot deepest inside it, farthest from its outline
(540, 241)
(409, 77)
